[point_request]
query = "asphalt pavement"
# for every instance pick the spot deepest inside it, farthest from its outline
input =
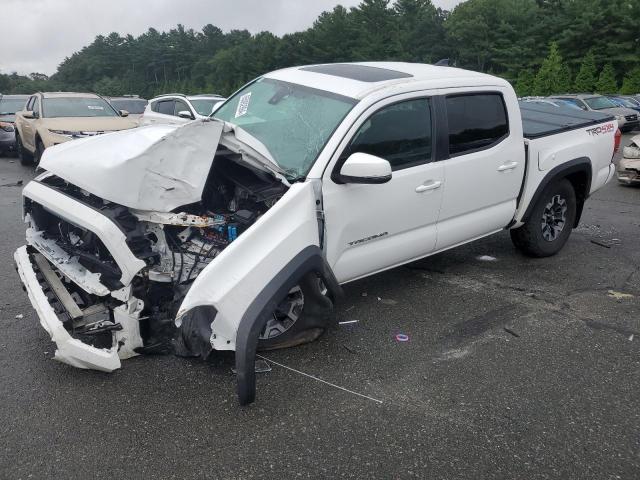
(514, 368)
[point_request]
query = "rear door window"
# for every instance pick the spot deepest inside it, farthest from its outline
(476, 122)
(399, 133)
(165, 107)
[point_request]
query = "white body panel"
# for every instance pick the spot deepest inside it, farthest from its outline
(232, 280)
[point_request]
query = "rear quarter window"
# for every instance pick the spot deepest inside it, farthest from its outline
(476, 122)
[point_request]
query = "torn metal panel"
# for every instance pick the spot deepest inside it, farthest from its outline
(157, 167)
(84, 216)
(235, 277)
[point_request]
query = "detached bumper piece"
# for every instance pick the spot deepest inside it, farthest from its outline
(93, 337)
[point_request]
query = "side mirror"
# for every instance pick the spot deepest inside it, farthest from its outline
(28, 114)
(185, 114)
(364, 168)
(123, 113)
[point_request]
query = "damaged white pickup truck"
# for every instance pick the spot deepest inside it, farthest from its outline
(235, 233)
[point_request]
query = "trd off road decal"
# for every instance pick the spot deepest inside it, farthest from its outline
(367, 239)
(609, 127)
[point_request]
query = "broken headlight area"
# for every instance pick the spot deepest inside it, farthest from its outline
(122, 273)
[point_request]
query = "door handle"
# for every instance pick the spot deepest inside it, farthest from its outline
(428, 185)
(507, 166)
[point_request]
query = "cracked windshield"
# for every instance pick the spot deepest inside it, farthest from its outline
(293, 122)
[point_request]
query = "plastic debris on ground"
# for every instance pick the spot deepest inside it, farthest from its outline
(348, 322)
(486, 258)
(401, 337)
(631, 337)
(20, 316)
(618, 295)
(261, 366)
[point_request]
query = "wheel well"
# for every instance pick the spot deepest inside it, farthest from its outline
(581, 183)
(578, 173)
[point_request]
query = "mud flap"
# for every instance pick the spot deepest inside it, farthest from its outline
(256, 316)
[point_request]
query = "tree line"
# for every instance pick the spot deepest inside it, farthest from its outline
(541, 46)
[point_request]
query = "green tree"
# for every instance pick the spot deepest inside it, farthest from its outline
(631, 82)
(552, 75)
(607, 82)
(586, 78)
(524, 83)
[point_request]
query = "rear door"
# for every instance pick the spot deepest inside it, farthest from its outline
(161, 111)
(485, 165)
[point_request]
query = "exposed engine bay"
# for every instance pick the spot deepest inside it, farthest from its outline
(105, 310)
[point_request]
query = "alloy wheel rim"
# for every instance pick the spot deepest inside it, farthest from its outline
(285, 316)
(554, 218)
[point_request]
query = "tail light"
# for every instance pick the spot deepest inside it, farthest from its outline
(616, 142)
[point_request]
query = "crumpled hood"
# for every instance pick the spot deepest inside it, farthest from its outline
(157, 167)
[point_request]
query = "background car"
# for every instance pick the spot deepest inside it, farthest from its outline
(628, 171)
(555, 102)
(627, 117)
(130, 103)
(9, 105)
(177, 108)
(623, 101)
(52, 118)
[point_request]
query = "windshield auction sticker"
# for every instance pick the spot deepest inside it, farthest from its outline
(243, 105)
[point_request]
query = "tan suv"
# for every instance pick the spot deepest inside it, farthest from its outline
(52, 118)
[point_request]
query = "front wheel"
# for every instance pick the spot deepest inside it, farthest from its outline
(300, 318)
(550, 223)
(39, 151)
(25, 157)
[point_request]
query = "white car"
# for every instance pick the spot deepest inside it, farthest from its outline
(176, 108)
(235, 233)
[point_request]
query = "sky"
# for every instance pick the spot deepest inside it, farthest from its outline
(39, 34)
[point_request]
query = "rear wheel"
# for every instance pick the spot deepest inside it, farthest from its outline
(550, 223)
(25, 157)
(300, 318)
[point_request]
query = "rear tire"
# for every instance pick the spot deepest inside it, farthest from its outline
(26, 158)
(550, 223)
(301, 318)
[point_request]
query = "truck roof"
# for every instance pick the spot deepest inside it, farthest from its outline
(357, 80)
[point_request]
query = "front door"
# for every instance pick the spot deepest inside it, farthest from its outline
(374, 227)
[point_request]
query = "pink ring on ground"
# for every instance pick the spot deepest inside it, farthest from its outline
(401, 337)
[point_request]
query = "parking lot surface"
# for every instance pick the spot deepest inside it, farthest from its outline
(514, 368)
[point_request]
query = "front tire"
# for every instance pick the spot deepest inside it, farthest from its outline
(39, 151)
(300, 318)
(550, 223)
(26, 158)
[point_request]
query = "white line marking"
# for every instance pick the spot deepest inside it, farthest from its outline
(320, 380)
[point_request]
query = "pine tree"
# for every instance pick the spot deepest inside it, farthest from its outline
(564, 81)
(607, 82)
(586, 78)
(631, 82)
(524, 83)
(550, 76)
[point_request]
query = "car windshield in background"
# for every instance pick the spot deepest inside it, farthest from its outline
(600, 103)
(294, 122)
(205, 106)
(625, 103)
(77, 107)
(11, 105)
(130, 105)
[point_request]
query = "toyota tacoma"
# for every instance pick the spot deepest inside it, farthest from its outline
(236, 232)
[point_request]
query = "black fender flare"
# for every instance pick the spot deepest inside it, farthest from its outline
(577, 165)
(310, 259)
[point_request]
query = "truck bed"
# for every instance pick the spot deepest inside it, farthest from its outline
(543, 120)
